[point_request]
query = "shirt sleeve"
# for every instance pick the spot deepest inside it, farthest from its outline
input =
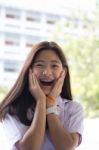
(13, 130)
(75, 118)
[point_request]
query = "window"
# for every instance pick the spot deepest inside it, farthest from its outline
(12, 39)
(12, 13)
(52, 19)
(11, 66)
(33, 16)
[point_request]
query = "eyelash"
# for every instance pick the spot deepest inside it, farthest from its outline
(41, 65)
(55, 66)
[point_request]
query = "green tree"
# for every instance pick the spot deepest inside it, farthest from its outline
(81, 46)
(83, 59)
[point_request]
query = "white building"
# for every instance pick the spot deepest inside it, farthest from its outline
(24, 23)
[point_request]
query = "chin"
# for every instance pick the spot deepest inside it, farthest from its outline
(46, 90)
(46, 93)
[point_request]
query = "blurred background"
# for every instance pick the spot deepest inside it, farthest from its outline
(74, 25)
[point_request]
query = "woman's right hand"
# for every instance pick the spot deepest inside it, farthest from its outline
(34, 87)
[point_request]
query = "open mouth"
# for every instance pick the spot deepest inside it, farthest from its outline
(47, 82)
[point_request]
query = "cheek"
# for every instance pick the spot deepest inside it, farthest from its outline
(36, 72)
(57, 74)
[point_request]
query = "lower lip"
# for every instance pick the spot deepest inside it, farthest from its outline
(46, 85)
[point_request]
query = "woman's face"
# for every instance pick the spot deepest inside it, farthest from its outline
(47, 68)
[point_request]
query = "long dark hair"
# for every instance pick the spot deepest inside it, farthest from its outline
(19, 99)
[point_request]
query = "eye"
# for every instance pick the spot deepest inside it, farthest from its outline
(39, 65)
(55, 66)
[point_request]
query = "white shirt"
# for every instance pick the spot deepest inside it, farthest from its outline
(71, 117)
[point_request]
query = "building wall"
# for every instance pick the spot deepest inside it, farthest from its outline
(20, 28)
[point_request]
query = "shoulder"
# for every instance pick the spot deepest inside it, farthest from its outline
(71, 105)
(75, 105)
(10, 120)
(12, 126)
(12, 131)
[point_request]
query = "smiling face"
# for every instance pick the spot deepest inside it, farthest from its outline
(47, 68)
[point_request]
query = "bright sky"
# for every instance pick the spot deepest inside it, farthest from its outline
(47, 4)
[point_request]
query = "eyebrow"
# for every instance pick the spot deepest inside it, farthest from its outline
(52, 61)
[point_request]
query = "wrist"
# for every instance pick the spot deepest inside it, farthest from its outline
(50, 101)
(53, 110)
(41, 102)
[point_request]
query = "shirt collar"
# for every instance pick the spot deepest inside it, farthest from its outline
(62, 100)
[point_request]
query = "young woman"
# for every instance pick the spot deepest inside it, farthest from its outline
(39, 113)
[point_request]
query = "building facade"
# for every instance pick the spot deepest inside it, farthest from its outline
(21, 27)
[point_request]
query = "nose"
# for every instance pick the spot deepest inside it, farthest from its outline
(47, 71)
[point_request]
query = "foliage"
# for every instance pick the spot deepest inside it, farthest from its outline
(82, 51)
(84, 63)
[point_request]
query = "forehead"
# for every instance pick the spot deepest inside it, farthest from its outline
(47, 55)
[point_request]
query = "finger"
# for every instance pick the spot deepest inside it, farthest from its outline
(30, 80)
(63, 74)
(59, 81)
(35, 80)
(59, 84)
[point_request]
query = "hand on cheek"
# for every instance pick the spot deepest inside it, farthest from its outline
(34, 87)
(52, 98)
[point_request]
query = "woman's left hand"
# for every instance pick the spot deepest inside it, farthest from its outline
(55, 92)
